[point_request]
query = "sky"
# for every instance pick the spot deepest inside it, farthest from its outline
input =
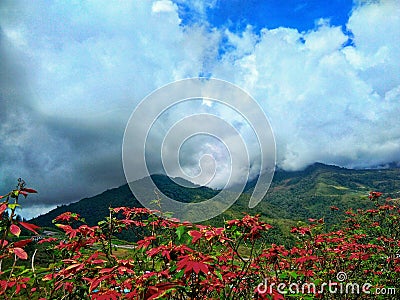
(326, 74)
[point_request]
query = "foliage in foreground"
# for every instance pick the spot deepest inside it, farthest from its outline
(174, 260)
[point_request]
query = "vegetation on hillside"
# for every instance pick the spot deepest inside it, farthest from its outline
(293, 197)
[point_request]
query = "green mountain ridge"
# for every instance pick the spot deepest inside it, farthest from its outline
(292, 197)
(94, 209)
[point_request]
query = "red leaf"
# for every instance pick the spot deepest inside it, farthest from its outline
(204, 268)
(49, 277)
(30, 227)
(3, 207)
(20, 253)
(195, 234)
(68, 230)
(106, 270)
(67, 216)
(196, 268)
(22, 243)
(76, 266)
(28, 190)
(98, 261)
(95, 283)
(190, 262)
(23, 193)
(48, 240)
(15, 230)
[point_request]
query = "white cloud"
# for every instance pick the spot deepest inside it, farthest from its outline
(163, 6)
(377, 48)
(326, 103)
(325, 39)
(76, 71)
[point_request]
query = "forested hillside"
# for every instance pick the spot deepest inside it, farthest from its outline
(292, 197)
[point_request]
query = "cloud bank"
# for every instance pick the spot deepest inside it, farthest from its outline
(71, 74)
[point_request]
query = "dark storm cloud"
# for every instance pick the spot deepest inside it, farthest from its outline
(69, 82)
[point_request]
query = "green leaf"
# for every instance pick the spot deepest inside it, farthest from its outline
(218, 274)
(172, 269)
(13, 205)
(168, 214)
(180, 274)
(283, 276)
(155, 201)
(24, 271)
(293, 274)
(179, 231)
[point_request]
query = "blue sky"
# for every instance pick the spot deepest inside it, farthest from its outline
(302, 15)
(326, 74)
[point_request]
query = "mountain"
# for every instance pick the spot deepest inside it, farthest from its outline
(95, 208)
(310, 193)
(292, 197)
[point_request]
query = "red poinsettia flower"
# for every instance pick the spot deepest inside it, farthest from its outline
(195, 263)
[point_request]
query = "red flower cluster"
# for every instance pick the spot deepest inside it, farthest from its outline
(173, 260)
(374, 195)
